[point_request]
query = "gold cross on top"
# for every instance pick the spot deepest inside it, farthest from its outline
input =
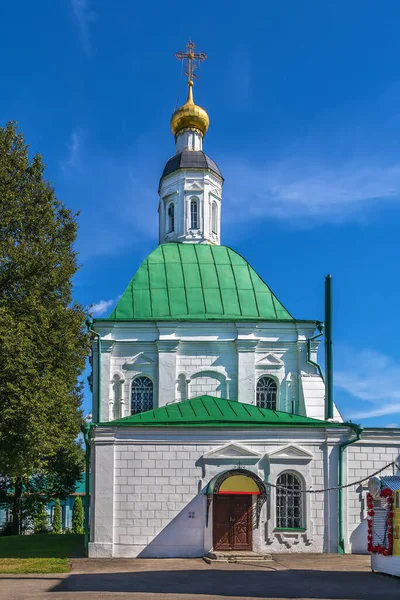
(191, 58)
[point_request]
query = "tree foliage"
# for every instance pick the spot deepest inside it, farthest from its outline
(56, 524)
(43, 342)
(77, 516)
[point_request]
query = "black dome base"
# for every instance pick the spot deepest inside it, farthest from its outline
(190, 159)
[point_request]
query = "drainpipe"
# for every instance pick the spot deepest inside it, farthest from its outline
(328, 349)
(89, 325)
(358, 429)
(320, 327)
(86, 432)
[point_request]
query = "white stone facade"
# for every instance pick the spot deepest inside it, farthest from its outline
(156, 506)
(185, 360)
(177, 192)
(153, 504)
(376, 449)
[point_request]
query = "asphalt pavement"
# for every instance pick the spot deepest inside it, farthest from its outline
(309, 577)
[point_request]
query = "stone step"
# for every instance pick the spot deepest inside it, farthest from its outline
(236, 556)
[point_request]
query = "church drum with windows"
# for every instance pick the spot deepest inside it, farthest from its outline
(209, 429)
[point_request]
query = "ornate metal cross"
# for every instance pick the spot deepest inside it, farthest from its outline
(191, 58)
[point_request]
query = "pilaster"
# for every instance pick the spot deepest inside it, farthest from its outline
(167, 371)
(246, 370)
(106, 351)
(102, 508)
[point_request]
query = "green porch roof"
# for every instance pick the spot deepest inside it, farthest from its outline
(194, 282)
(208, 411)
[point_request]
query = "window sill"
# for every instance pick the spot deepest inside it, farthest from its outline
(293, 529)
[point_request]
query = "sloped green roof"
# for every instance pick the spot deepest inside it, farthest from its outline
(197, 283)
(208, 411)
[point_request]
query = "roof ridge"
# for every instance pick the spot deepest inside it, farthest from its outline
(234, 277)
(166, 281)
(183, 278)
(217, 276)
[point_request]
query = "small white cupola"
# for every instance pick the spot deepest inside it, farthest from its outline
(191, 184)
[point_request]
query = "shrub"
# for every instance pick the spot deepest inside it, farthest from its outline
(57, 527)
(41, 521)
(77, 516)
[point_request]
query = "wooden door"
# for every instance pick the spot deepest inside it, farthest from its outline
(221, 522)
(242, 529)
(232, 526)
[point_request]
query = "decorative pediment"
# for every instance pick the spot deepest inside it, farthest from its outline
(270, 360)
(291, 453)
(139, 360)
(232, 453)
(193, 187)
(171, 193)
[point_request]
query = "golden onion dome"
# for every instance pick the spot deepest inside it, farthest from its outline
(189, 115)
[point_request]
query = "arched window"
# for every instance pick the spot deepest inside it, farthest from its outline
(214, 218)
(194, 214)
(142, 394)
(171, 218)
(266, 393)
(289, 510)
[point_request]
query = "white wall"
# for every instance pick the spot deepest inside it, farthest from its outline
(375, 450)
(159, 477)
(180, 187)
(222, 359)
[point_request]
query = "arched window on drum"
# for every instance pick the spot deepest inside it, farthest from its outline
(214, 218)
(266, 393)
(142, 394)
(194, 214)
(171, 218)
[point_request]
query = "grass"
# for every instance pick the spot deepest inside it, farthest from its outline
(46, 553)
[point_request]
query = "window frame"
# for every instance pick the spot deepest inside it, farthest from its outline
(194, 202)
(171, 217)
(140, 376)
(276, 383)
(214, 218)
(302, 503)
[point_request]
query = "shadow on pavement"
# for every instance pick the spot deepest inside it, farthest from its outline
(350, 585)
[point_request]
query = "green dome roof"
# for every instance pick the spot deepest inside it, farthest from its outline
(192, 282)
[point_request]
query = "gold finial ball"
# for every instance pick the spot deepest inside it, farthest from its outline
(189, 115)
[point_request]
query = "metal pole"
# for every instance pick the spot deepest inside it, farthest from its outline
(328, 349)
(89, 325)
(86, 432)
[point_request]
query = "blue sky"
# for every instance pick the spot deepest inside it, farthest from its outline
(303, 99)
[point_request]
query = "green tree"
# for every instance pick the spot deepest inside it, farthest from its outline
(41, 519)
(43, 341)
(57, 527)
(77, 516)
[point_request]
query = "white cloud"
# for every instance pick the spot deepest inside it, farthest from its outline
(75, 149)
(359, 378)
(389, 409)
(307, 190)
(392, 426)
(100, 308)
(83, 16)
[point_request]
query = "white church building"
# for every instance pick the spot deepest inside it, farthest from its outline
(209, 424)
